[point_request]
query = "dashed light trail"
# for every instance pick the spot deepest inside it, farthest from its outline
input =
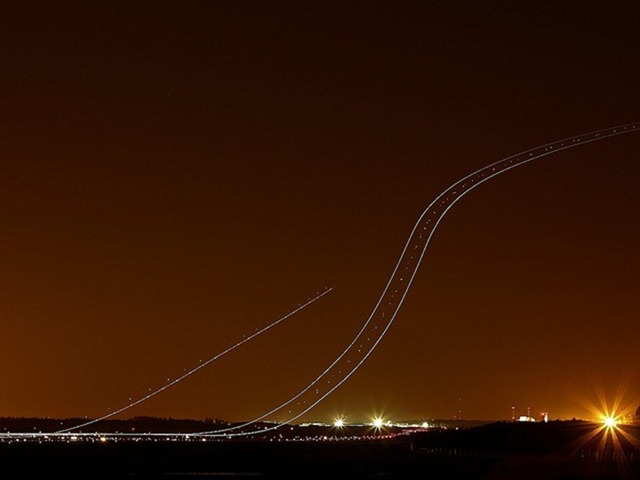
(199, 366)
(388, 304)
(399, 283)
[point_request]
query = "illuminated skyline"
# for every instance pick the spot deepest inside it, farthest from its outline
(176, 178)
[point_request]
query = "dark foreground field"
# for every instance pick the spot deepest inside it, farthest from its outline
(496, 451)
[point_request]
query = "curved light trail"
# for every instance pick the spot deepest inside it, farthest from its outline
(199, 366)
(399, 283)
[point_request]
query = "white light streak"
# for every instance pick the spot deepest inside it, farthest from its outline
(394, 298)
(200, 366)
(390, 300)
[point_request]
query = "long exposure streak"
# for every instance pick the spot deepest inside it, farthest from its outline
(387, 305)
(199, 366)
(397, 287)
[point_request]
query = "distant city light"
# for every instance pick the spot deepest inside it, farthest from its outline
(526, 418)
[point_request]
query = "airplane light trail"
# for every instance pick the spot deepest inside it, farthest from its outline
(200, 366)
(390, 300)
(401, 279)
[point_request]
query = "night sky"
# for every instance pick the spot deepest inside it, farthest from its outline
(174, 175)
